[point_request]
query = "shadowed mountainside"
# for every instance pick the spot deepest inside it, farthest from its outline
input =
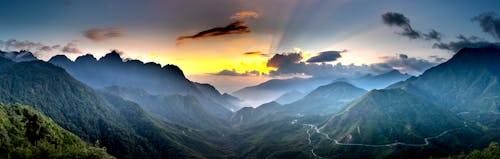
(112, 70)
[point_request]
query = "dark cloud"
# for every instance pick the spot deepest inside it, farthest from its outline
(489, 23)
(291, 64)
(13, 44)
(258, 53)
(410, 33)
(71, 47)
(403, 56)
(50, 48)
(326, 56)
(283, 59)
(233, 72)
(100, 34)
(433, 35)
(395, 19)
(464, 42)
(401, 21)
(317, 70)
(404, 63)
(238, 27)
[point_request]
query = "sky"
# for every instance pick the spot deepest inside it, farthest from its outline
(236, 43)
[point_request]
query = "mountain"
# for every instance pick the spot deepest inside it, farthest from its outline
(449, 108)
(277, 87)
(123, 127)
(290, 97)
(389, 115)
(27, 133)
(112, 70)
(5, 62)
(20, 56)
(178, 109)
(235, 102)
(380, 81)
(325, 100)
(492, 151)
(252, 115)
(274, 88)
(466, 82)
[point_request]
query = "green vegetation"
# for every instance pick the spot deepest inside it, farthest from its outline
(390, 115)
(26, 133)
(122, 127)
(490, 152)
(178, 109)
(325, 100)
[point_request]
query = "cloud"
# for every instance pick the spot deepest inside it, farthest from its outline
(395, 19)
(283, 59)
(489, 23)
(244, 14)
(326, 56)
(100, 34)
(233, 72)
(291, 64)
(18, 56)
(255, 53)
(71, 47)
(403, 63)
(464, 42)
(401, 21)
(49, 48)
(13, 44)
(238, 27)
(433, 35)
(437, 59)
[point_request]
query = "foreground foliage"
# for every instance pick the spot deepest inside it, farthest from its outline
(491, 152)
(26, 133)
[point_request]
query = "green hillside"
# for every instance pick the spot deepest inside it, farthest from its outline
(178, 109)
(490, 152)
(26, 133)
(85, 112)
(388, 116)
(325, 100)
(466, 82)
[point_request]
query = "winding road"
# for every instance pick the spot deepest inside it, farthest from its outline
(311, 129)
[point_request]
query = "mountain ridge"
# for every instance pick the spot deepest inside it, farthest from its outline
(112, 70)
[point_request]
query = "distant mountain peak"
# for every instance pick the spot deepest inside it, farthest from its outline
(60, 60)
(174, 68)
(113, 57)
(336, 84)
(393, 71)
(268, 105)
(88, 58)
(18, 56)
(485, 54)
